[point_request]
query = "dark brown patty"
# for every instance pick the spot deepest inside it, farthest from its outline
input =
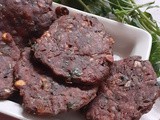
(42, 95)
(76, 48)
(6, 76)
(4, 25)
(9, 54)
(129, 92)
(28, 17)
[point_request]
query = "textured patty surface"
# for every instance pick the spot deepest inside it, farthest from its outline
(9, 54)
(28, 17)
(44, 96)
(77, 48)
(127, 94)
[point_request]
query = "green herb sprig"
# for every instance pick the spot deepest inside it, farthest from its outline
(126, 11)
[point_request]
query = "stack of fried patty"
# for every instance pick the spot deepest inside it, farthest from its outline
(61, 63)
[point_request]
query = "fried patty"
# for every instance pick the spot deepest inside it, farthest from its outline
(9, 55)
(41, 93)
(128, 93)
(76, 48)
(28, 17)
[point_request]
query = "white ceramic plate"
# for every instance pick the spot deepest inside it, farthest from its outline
(129, 41)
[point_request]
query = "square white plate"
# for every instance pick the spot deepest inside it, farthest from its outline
(129, 41)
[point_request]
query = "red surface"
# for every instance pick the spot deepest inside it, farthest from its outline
(4, 117)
